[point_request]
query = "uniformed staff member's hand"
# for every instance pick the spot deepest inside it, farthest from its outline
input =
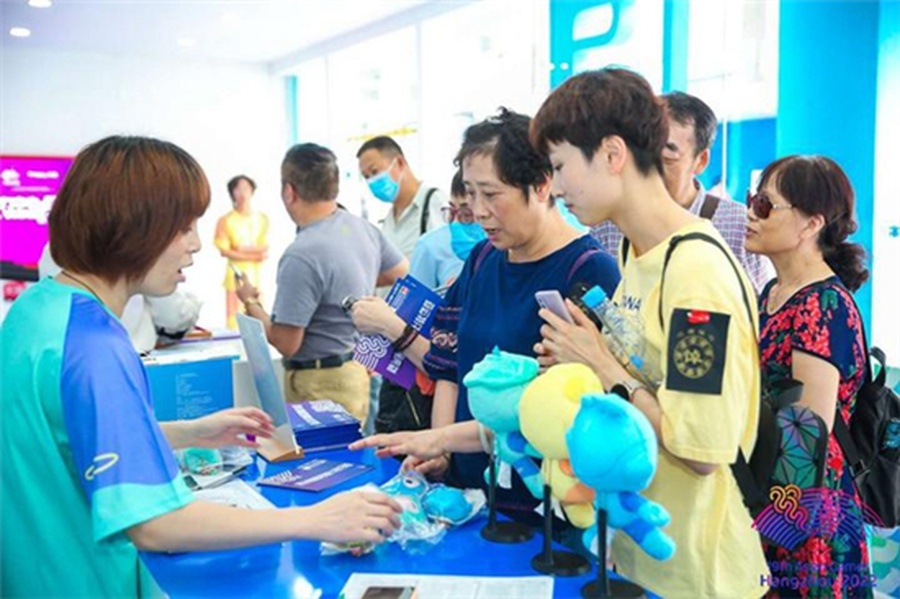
(372, 315)
(355, 516)
(229, 427)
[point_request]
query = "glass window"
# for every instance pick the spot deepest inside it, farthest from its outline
(733, 67)
(471, 66)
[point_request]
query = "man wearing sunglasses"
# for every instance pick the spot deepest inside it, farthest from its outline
(692, 131)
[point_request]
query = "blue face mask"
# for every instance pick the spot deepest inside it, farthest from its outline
(383, 187)
(464, 237)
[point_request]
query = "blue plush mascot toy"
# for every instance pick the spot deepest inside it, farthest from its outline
(613, 450)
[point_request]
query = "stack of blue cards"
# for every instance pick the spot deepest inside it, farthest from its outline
(322, 424)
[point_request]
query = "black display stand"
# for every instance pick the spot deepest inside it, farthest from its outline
(501, 532)
(555, 562)
(603, 586)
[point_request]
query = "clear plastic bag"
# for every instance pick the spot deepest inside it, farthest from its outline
(428, 510)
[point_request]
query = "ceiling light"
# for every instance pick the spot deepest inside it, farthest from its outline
(40, 3)
(187, 42)
(20, 32)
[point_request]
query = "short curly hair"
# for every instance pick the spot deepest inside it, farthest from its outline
(505, 138)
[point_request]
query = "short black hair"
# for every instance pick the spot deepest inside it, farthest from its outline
(312, 171)
(505, 138)
(593, 105)
(383, 144)
(688, 110)
(457, 188)
(234, 181)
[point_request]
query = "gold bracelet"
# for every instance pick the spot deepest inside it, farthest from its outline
(253, 301)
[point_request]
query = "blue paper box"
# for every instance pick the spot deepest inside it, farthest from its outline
(191, 389)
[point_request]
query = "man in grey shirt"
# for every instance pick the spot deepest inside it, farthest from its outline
(334, 255)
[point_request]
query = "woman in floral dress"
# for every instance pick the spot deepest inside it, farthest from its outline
(811, 331)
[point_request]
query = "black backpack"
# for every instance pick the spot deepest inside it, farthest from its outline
(791, 441)
(872, 445)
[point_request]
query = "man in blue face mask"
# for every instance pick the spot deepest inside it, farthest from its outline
(439, 255)
(415, 207)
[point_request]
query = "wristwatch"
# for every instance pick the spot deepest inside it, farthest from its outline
(626, 389)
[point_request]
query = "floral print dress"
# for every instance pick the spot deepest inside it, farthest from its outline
(822, 320)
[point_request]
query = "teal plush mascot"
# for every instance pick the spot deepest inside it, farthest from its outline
(495, 385)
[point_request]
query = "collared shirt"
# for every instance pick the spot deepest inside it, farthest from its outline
(730, 219)
(433, 261)
(403, 232)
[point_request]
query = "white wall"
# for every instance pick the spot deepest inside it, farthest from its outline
(231, 118)
(885, 331)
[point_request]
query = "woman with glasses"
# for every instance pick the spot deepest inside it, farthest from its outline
(811, 331)
(439, 255)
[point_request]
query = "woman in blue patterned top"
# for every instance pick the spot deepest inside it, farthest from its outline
(89, 476)
(530, 248)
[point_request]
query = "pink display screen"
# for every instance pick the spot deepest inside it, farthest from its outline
(28, 187)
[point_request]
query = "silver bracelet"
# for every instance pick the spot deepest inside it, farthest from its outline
(482, 436)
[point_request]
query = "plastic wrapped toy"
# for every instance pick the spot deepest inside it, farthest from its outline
(547, 410)
(427, 512)
(613, 450)
(452, 506)
(495, 387)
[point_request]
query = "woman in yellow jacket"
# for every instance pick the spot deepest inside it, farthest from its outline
(241, 236)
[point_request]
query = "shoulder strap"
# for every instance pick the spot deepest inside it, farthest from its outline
(579, 262)
(754, 496)
(423, 222)
(710, 205)
(482, 254)
(702, 237)
(840, 428)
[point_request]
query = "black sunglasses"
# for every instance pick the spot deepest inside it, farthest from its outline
(761, 204)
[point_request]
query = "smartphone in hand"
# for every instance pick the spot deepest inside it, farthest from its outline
(237, 274)
(553, 301)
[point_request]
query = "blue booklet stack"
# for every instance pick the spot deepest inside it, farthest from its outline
(322, 424)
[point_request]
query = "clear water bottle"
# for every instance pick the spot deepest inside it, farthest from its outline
(624, 334)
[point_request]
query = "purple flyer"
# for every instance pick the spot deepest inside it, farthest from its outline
(315, 475)
(416, 304)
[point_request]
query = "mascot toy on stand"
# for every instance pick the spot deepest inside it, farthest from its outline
(495, 385)
(547, 410)
(613, 450)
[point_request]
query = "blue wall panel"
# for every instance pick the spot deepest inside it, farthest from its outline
(827, 84)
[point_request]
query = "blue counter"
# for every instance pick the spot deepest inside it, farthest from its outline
(295, 570)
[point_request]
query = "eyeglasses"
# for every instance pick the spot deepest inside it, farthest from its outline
(762, 206)
(461, 214)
